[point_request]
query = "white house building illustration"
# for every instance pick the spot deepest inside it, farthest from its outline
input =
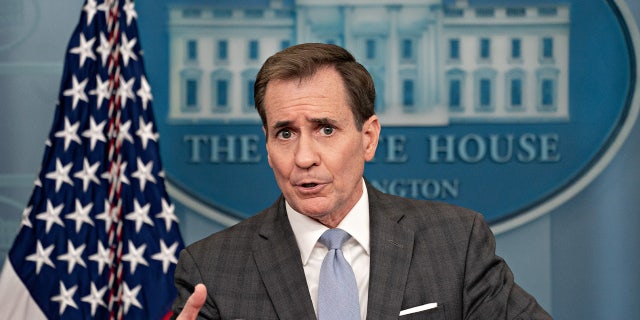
(433, 63)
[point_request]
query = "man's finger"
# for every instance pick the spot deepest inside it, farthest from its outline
(194, 303)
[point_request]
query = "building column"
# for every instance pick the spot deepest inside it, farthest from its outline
(393, 88)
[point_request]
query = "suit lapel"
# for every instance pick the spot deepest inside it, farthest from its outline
(391, 254)
(277, 258)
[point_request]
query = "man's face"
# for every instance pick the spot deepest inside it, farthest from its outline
(314, 148)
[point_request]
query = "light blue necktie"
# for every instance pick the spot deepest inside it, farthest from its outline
(337, 290)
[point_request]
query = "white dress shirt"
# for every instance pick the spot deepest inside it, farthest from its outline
(356, 249)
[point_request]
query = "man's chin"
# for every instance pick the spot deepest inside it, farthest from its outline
(313, 212)
(324, 215)
(311, 208)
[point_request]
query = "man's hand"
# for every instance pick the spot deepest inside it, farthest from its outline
(194, 303)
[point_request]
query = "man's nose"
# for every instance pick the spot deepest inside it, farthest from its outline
(306, 153)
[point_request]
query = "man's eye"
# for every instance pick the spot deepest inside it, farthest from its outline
(284, 134)
(328, 131)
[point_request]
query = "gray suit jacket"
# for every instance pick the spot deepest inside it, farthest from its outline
(421, 252)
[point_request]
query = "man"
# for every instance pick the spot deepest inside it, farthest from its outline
(316, 105)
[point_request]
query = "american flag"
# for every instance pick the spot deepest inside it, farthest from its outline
(99, 237)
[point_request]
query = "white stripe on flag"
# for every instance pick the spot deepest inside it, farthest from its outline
(15, 298)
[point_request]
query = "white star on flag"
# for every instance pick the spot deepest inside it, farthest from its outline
(124, 134)
(145, 132)
(84, 49)
(102, 257)
(135, 256)
(166, 255)
(144, 173)
(123, 173)
(91, 9)
(129, 10)
(104, 49)
(167, 214)
(140, 215)
(69, 133)
(73, 256)
(51, 215)
(88, 174)
(25, 221)
(126, 49)
(81, 215)
(95, 133)
(77, 91)
(144, 92)
(60, 174)
(65, 298)
(130, 297)
(95, 298)
(107, 216)
(105, 7)
(41, 256)
(102, 91)
(125, 92)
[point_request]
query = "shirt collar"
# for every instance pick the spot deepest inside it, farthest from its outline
(308, 230)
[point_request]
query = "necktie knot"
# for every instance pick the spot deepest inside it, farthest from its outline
(334, 238)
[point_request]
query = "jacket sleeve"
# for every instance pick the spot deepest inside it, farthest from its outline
(489, 288)
(186, 276)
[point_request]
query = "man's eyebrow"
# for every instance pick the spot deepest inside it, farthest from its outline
(317, 121)
(281, 124)
(323, 121)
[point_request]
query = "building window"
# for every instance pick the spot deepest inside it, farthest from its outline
(454, 94)
(516, 12)
(484, 89)
(454, 49)
(190, 90)
(283, 14)
(548, 12)
(191, 13)
(254, 13)
(485, 93)
(547, 89)
(547, 94)
(547, 48)
(191, 94)
(485, 49)
(408, 93)
(516, 93)
(407, 49)
(516, 49)
(455, 90)
(248, 80)
(254, 50)
(515, 89)
(371, 49)
(250, 101)
(453, 12)
(222, 87)
(223, 50)
(484, 12)
(222, 13)
(192, 50)
(221, 91)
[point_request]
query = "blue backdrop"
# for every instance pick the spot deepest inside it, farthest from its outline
(580, 260)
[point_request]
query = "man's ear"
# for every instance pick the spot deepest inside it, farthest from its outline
(371, 135)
